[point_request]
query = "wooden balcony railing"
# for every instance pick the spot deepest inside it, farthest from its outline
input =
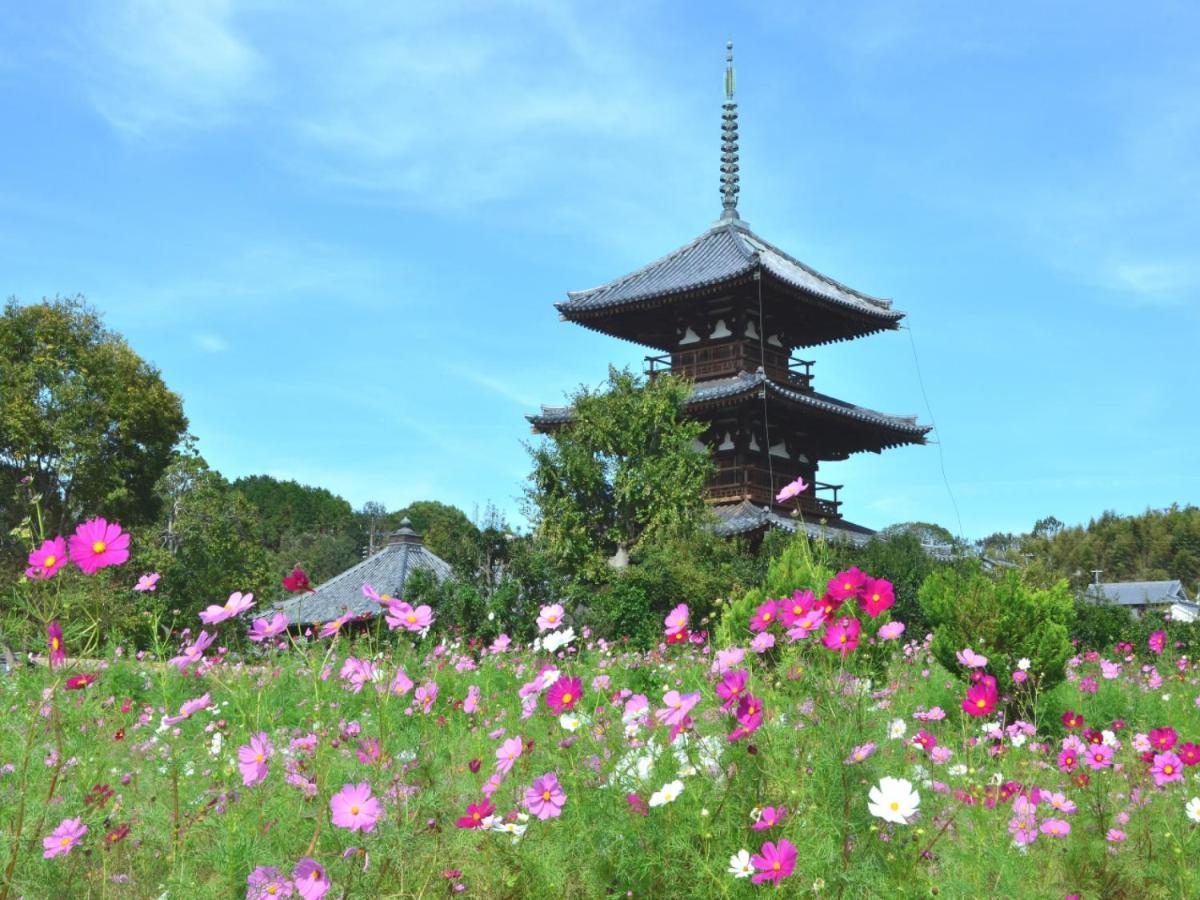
(726, 360)
(733, 484)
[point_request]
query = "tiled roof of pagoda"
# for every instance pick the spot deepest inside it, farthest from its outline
(744, 517)
(725, 253)
(904, 429)
(386, 571)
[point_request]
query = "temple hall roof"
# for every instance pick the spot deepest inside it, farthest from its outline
(745, 517)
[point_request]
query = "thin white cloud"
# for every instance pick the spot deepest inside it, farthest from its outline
(210, 343)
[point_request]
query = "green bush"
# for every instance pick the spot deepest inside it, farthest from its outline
(1098, 626)
(1002, 618)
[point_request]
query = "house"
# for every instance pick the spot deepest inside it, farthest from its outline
(1140, 596)
(387, 571)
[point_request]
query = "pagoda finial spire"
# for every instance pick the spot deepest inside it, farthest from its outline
(729, 143)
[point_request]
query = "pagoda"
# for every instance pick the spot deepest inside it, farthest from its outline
(728, 311)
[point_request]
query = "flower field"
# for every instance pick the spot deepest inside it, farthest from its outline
(822, 752)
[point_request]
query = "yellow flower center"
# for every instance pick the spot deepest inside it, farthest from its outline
(64, 841)
(875, 598)
(775, 866)
(54, 645)
(475, 816)
(980, 703)
(354, 810)
(895, 806)
(545, 795)
(258, 757)
(766, 617)
(551, 618)
(386, 598)
(1168, 768)
(49, 561)
(99, 547)
(566, 698)
(272, 889)
(410, 618)
(842, 638)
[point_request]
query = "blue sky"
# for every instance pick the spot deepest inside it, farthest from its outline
(339, 232)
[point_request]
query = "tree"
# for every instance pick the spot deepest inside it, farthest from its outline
(287, 508)
(624, 469)
(446, 531)
(89, 420)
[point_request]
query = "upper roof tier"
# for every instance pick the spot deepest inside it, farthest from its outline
(804, 307)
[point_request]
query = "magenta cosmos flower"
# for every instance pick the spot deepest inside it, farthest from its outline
(545, 799)
(764, 616)
(1158, 641)
(774, 862)
(731, 686)
(842, 635)
(252, 759)
(1166, 767)
(97, 544)
(353, 807)
(310, 878)
(877, 595)
(64, 838)
(847, 584)
(237, 604)
(54, 641)
(47, 559)
(769, 818)
(564, 694)
(677, 620)
(476, 813)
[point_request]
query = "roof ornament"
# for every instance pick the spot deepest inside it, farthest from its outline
(729, 144)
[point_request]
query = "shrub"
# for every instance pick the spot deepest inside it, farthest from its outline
(1098, 626)
(1002, 618)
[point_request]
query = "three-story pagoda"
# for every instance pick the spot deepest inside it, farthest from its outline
(729, 311)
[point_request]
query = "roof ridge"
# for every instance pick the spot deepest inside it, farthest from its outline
(869, 298)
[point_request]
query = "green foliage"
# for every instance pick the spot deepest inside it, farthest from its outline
(624, 470)
(80, 412)
(447, 532)
(287, 508)
(1002, 618)
(1097, 626)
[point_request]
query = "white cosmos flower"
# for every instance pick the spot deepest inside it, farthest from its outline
(740, 865)
(1023, 663)
(1018, 740)
(1193, 809)
(957, 770)
(897, 729)
(893, 800)
(668, 793)
(569, 721)
(554, 641)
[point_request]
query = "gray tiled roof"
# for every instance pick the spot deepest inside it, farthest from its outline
(740, 518)
(387, 571)
(1139, 593)
(723, 253)
(726, 388)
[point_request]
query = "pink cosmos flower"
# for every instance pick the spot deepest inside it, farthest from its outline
(401, 615)
(858, 754)
(1162, 739)
(877, 595)
(764, 616)
(550, 617)
(1166, 767)
(237, 604)
(564, 694)
(727, 659)
(792, 609)
(148, 582)
(97, 544)
(677, 707)
(353, 807)
(1098, 756)
(476, 813)
(189, 709)
(677, 619)
(311, 880)
(47, 559)
(500, 644)
(1157, 641)
(79, 682)
(329, 629)
(63, 838)
(842, 635)
(262, 629)
(730, 687)
(981, 698)
(1115, 835)
(969, 659)
(194, 652)
(774, 862)
(749, 717)
(1068, 760)
(847, 584)
(1056, 827)
(401, 683)
(252, 759)
(792, 489)
(545, 798)
(425, 695)
(762, 642)
(924, 740)
(769, 818)
(806, 623)
(891, 631)
(266, 883)
(54, 641)
(507, 754)
(371, 594)
(471, 703)
(297, 582)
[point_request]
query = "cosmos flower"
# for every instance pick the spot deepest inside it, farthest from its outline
(1056, 827)
(764, 616)
(311, 879)
(677, 619)
(668, 793)
(476, 813)
(147, 582)
(893, 800)
(189, 709)
(63, 838)
(740, 865)
(550, 617)
(891, 631)
(545, 798)
(877, 595)
(859, 753)
(792, 489)
(47, 559)
(769, 818)
(252, 759)
(79, 682)
(266, 883)
(1157, 641)
(401, 615)
(981, 698)
(297, 582)
(262, 629)
(194, 652)
(730, 687)
(237, 604)
(97, 544)
(1165, 768)
(774, 862)
(842, 635)
(354, 808)
(969, 659)
(54, 641)
(846, 585)
(564, 694)
(1193, 809)
(507, 754)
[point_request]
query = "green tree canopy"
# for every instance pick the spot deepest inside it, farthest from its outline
(88, 419)
(624, 469)
(288, 508)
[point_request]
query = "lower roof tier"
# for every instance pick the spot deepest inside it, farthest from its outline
(747, 518)
(843, 427)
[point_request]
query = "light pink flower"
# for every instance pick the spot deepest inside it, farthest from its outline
(353, 807)
(550, 617)
(63, 838)
(237, 604)
(677, 620)
(545, 798)
(507, 754)
(147, 582)
(252, 759)
(401, 615)
(970, 659)
(262, 630)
